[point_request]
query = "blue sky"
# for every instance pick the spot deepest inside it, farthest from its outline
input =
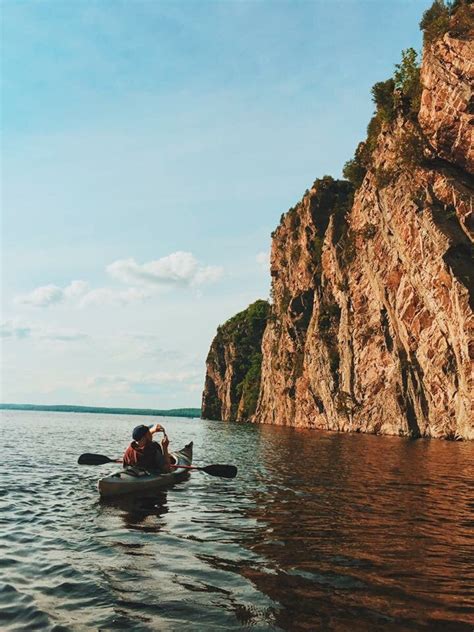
(148, 151)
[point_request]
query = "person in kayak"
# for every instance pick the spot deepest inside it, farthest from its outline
(145, 453)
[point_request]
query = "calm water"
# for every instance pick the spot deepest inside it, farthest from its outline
(318, 532)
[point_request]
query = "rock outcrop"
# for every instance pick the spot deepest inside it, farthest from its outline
(233, 366)
(371, 322)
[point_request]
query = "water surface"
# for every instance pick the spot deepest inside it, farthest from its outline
(320, 531)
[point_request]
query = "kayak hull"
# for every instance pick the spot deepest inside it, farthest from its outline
(132, 481)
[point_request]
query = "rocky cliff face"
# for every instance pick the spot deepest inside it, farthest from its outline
(233, 366)
(372, 291)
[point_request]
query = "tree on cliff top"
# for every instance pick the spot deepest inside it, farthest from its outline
(401, 94)
(456, 17)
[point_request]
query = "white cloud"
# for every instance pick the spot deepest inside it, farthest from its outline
(178, 269)
(76, 289)
(43, 296)
(263, 260)
(108, 296)
(20, 331)
(12, 329)
(48, 295)
(141, 383)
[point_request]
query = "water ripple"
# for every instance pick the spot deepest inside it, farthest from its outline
(319, 532)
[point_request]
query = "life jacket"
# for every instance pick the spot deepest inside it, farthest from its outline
(147, 457)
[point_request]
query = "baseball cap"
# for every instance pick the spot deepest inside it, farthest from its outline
(140, 431)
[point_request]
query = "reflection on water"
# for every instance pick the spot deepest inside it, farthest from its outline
(319, 532)
(141, 512)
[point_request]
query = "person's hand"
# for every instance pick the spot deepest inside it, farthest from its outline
(157, 428)
(165, 442)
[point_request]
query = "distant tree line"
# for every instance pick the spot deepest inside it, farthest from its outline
(149, 412)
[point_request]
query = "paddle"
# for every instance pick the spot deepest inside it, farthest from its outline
(95, 459)
(225, 471)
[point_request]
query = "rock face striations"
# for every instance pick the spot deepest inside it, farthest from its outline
(372, 287)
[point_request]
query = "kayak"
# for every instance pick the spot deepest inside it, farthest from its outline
(133, 480)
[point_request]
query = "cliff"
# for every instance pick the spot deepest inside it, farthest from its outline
(233, 366)
(372, 288)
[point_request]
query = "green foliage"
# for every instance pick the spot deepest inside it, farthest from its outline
(316, 248)
(400, 94)
(334, 199)
(410, 148)
(250, 386)
(328, 323)
(456, 17)
(246, 327)
(435, 22)
(383, 177)
(354, 171)
(373, 130)
(243, 332)
(383, 97)
(294, 219)
(407, 82)
(462, 22)
(325, 181)
(149, 412)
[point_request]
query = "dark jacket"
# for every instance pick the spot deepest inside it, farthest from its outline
(150, 457)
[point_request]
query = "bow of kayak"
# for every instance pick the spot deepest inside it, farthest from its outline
(132, 480)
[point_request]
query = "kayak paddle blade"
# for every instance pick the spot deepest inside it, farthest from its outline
(226, 471)
(94, 459)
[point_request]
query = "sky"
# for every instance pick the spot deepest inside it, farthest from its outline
(148, 150)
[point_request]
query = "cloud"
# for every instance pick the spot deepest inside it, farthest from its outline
(76, 289)
(48, 295)
(177, 269)
(146, 346)
(108, 296)
(141, 384)
(79, 293)
(263, 260)
(63, 335)
(20, 331)
(10, 329)
(43, 296)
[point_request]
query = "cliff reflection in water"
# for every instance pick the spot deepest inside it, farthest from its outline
(363, 528)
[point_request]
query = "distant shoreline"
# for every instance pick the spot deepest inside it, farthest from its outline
(149, 412)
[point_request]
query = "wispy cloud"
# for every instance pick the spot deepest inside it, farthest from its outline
(12, 329)
(138, 383)
(109, 296)
(176, 269)
(20, 331)
(47, 295)
(179, 269)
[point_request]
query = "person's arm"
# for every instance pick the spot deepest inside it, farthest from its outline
(165, 463)
(157, 428)
(166, 457)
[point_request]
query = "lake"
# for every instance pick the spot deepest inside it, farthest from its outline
(319, 531)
